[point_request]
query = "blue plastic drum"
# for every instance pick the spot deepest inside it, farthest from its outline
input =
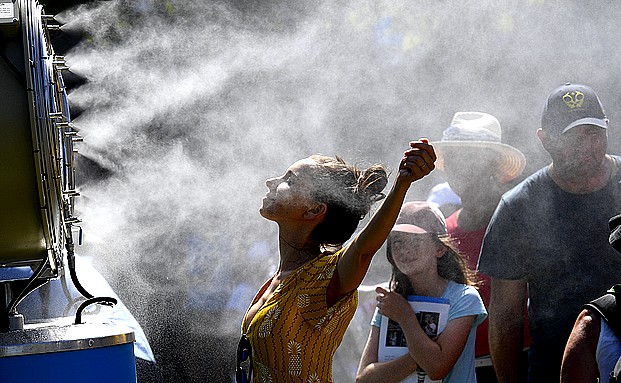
(51, 352)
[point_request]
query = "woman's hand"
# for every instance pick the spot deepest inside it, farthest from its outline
(393, 305)
(417, 162)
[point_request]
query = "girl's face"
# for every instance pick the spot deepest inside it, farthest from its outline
(289, 196)
(415, 253)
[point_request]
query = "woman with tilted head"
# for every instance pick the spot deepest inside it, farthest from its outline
(297, 319)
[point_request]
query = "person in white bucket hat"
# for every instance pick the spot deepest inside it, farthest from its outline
(479, 168)
(478, 130)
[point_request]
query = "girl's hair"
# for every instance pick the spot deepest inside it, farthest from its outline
(451, 266)
(348, 193)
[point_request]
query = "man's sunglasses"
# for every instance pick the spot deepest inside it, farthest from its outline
(243, 373)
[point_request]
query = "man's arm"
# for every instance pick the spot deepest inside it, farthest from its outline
(506, 327)
(579, 361)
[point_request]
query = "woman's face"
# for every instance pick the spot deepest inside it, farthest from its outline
(289, 196)
(415, 253)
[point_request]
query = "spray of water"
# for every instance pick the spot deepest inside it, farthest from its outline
(191, 105)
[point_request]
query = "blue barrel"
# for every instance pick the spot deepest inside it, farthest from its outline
(59, 352)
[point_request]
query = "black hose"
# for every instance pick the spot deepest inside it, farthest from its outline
(74, 277)
(108, 301)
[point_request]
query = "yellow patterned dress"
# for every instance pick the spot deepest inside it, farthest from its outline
(294, 335)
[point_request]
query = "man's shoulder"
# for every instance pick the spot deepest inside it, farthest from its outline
(530, 187)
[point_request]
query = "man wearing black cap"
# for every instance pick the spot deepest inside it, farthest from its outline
(547, 240)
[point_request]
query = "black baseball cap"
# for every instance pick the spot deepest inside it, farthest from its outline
(571, 105)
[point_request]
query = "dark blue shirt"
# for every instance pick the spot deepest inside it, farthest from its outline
(558, 243)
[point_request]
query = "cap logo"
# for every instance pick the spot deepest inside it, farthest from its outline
(573, 99)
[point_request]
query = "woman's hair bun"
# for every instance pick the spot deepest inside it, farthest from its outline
(349, 193)
(371, 183)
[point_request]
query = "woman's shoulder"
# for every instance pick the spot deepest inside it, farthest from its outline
(325, 258)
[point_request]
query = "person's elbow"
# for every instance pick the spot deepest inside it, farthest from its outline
(436, 369)
(362, 376)
(436, 376)
(437, 373)
(370, 374)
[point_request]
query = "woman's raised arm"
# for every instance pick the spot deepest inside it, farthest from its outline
(417, 162)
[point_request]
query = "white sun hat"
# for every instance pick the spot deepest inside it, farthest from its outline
(480, 130)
